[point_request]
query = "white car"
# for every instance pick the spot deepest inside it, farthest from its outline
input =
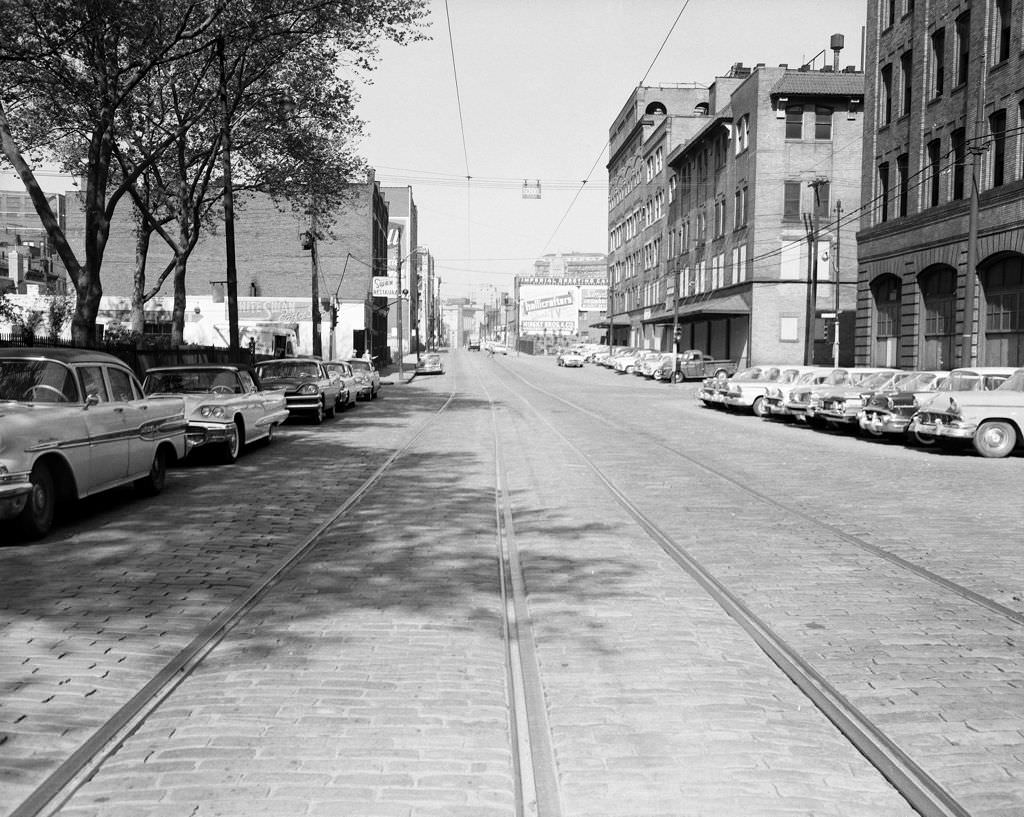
(570, 359)
(224, 405)
(74, 422)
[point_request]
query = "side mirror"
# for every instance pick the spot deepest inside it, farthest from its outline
(92, 400)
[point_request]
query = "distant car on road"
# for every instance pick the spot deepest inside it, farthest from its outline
(473, 346)
(76, 422)
(431, 364)
(569, 359)
(225, 408)
(343, 369)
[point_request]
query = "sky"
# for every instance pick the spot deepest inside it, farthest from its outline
(530, 95)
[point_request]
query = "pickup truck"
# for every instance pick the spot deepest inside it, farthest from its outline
(695, 365)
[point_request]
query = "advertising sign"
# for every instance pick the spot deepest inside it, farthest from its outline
(384, 286)
(548, 309)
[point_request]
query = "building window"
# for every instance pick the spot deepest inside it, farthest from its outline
(883, 192)
(934, 171)
(903, 179)
(742, 134)
(963, 47)
(958, 139)
(938, 292)
(997, 130)
(719, 218)
(1001, 32)
(886, 291)
(890, 16)
(1003, 283)
(822, 203)
(907, 70)
(885, 96)
(938, 62)
(822, 123)
(791, 202)
(795, 122)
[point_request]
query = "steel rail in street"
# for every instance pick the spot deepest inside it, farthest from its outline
(924, 794)
(80, 765)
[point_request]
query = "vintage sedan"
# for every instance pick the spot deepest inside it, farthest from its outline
(431, 364)
(367, 377)
(805, 401)
(888, 411)
(309, 389)
(991, 419)
(225, 408)
(745, 390)
(569, 359)
(74, 422)
(350, 383)
(778, 394)
(840, 405)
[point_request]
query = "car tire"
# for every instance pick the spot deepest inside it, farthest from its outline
(995, 439)
(271, 433)
(36, 518)
(153, 483)
(924, 440)
(233, 447)
(318, 415)
(332, 410)
(677, 377)
(758, 407)
(373, 394)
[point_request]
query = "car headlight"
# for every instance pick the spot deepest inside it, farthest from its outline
(308, 388)
(212, 411)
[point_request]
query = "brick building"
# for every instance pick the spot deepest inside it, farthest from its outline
(405, 256)
(941, 244)
(274, 269)
(652, 122)
(27, 263)
(751, 192)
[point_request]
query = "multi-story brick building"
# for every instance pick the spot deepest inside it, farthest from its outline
(274, 272)
(27, 263)
(652, 122)
(942, 231)
(751, 192)
(405, 258)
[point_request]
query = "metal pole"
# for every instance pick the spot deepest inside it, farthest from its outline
(399, 304)
(835, 340)
(967, 344)
(318, 343)
(809, 306)
(231, 273)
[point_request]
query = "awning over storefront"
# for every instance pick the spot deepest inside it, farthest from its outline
(729, 305)
(617, 321)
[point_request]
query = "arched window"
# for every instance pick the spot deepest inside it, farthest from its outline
(938, 295)
(886, 292)
(655, 109)
(1003, 285)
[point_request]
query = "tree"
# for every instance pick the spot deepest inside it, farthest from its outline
(76, 78)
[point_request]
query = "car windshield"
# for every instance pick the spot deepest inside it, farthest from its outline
(1015, 382)
(753, 373)
(36, 381)
(288, 368)
(876, 381)
(962, 381)
(837, 378)
(337, 368)
(363, 365)
(789, 376)
(917, 381)
(191, 381)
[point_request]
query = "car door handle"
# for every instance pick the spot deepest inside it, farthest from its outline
(119, 409)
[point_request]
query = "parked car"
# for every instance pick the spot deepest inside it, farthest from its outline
(696, 365)
(225, 408)
(840, 405)
(570, 359)
(804, 401)
(970, 409)
(367, 377)
(645, 363)
(76, 422)
(431, 364)
(664, 367)
(746, 390)
(309, 389)
(626, 361)
(711, 391)
(344, 372)
(778, 394)
(888, 410)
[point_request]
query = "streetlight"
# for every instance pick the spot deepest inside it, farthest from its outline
(401, 294)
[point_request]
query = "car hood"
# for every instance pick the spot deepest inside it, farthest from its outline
(968, 400)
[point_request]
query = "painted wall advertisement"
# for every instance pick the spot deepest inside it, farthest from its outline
(554, 308)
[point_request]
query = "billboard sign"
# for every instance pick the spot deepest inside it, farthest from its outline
(384, 286)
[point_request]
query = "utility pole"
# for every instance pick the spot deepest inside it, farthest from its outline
(812, 270)
(835, 338)
(229, 210)
(399, 304)
(318, 344)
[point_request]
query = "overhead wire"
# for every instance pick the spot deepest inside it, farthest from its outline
(462, 128)
(593, 167)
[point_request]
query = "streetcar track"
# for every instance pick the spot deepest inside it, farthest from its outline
(949, 585)
(925, 794)
(61, 784)
(536, 790)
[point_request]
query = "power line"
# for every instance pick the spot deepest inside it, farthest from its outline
(462, 126)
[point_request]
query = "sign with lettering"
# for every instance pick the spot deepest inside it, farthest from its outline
(384, 286)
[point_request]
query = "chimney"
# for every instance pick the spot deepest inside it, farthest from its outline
(836, 44)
